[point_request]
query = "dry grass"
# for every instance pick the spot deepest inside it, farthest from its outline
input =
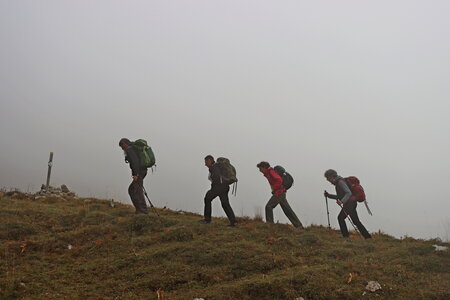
(116, 255)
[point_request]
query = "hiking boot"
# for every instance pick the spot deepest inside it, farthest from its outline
(204, 221)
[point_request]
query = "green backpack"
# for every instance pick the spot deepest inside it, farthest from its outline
(227, 171)
(145, 153)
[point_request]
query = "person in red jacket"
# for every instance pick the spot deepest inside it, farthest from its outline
(278, 195)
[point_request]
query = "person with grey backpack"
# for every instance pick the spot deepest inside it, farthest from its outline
(221, 175)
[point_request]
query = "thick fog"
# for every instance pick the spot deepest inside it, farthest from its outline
(361, 87)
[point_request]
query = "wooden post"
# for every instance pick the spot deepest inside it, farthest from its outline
(50, 163)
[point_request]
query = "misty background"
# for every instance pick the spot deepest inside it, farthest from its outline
(361, 87)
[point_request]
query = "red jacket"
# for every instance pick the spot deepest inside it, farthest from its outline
(275, 181)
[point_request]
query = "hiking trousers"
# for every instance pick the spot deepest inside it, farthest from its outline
(281, 199)
(350, 209)
(222, 193)
(136, 192)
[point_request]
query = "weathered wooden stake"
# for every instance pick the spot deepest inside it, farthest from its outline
(50, 163)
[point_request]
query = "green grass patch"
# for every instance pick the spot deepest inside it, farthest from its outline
(53, 248)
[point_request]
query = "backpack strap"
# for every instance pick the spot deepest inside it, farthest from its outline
(234, 190)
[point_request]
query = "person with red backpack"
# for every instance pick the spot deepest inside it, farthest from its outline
(278, 195)
(347, 200)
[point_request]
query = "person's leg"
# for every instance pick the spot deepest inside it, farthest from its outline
(140, 196)
(131, 189)
(136, 193)
(226, 205)
(274, 200)
(354, 215)
(289, 212)
(342, 225)
(209, 197)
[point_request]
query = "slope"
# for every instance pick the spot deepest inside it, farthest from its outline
(70, 248)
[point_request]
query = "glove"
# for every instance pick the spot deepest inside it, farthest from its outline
(325, 193)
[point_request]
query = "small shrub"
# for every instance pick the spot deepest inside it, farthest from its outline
(141, 224)
(9, 295)
(369, 248)
(54, 245)
(96, 218)
(421, 250)
(258, 214)
(17, 195)
(182, 234)
(309, 239)
(431, 263)
(95, 206)
(68, 221)
(264, 289)
(15, 231)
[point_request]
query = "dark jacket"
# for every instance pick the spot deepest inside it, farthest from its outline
(132, 157)
(215, 176)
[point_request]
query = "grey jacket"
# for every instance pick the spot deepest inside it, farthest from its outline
(343, 192)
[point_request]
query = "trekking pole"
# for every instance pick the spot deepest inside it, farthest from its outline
(151, 204)
(328, 213)
(350, 219)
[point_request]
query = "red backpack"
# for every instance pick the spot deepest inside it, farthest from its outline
(356, 188)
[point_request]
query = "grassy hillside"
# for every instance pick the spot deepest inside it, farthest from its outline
(116, 255)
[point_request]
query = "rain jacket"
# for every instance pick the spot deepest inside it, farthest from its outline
(132, 157)
(275, 181)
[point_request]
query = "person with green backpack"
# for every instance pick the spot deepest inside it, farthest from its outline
(140, 157)
(221, 175)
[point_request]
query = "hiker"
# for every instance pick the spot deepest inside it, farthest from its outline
(278, 195)
(219, 188)
(343, 199)
(138, 172)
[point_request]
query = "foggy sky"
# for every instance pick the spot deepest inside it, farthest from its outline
(361, 87)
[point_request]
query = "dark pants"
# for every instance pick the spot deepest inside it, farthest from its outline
(222, 193)
(136, 192)
(350, 209)
(281, 199)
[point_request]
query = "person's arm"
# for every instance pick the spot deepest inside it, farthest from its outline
(331, 196)
(346, 189)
